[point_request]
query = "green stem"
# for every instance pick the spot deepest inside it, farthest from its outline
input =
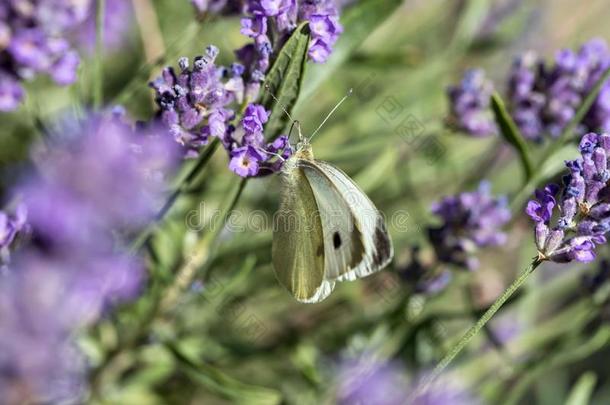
(98, 81)
(472, 332)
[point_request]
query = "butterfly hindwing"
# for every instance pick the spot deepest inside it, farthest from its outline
(368, 244)
(298, 242)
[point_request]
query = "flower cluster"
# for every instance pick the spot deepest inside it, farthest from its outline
(269, 23)
(469, 105)
(250, 155)
(33, 41)
(267, 20)
(470, 221)
(543, 98)
(101, 181)
(198, 103)
(583, 206)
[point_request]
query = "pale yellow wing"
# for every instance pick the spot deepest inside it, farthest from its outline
(298, 242)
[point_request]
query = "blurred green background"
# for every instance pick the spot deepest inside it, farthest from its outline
(236, 336)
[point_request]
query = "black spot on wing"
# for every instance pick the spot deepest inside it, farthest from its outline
(382, 246)
(336, 240)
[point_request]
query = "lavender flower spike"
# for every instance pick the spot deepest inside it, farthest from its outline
(470, 221)
(570, 223)
(470, 105)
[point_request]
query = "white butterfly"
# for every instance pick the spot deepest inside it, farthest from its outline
(326, 229)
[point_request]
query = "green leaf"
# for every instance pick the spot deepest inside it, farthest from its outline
(511, 133)
(583, 390)
(222, 384)
(284, 80)
(358, 21)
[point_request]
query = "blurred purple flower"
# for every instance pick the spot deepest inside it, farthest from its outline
(99, 180)
(445, 391)
(424, 278)
(544, 99)
(33, 41)
(13, 223)
(583, 206)
(11, 92)
(470, 105)
(470, 221)
(118, 21)
(366, 380)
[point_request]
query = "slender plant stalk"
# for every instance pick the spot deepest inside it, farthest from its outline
(150, 32)
(98, 81)
(199, 254)
(472, 332)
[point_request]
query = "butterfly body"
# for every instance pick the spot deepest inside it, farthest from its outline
(326, 229)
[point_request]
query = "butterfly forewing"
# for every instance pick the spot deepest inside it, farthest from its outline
(368, 240)
(343, 240)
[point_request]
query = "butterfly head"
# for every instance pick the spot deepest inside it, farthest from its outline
(304, 149)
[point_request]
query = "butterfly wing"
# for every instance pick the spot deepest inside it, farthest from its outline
(356, 240)
(298, 242)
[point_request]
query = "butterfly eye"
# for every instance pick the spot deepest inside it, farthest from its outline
(337, 240)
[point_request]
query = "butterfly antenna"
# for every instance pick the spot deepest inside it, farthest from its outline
(349, 93)
(294, 122)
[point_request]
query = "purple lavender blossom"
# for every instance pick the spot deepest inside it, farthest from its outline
(470, 221)
(270, 22)
(198, 104)
(470, 105)
(583, 208)
(193, 103)
(544, 99)
(526, 99)
(33, 42)
(100, 180)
